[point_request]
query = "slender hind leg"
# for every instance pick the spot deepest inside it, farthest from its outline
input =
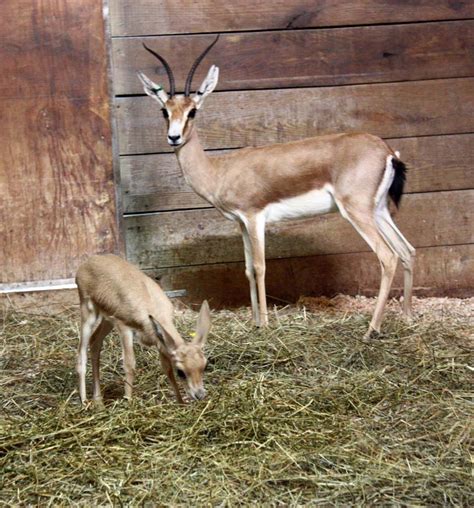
(95, 347)
(89, 321)
(404, 250)
(365, 224)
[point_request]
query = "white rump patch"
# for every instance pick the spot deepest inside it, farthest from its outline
(315, 202)
(380, 200)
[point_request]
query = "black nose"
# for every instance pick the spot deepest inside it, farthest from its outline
(200, 394)
(174, 138)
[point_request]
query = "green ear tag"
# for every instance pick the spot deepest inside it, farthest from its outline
(156, 90)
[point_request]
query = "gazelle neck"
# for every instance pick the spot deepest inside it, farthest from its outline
(197, 167)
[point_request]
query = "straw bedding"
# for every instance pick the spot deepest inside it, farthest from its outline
(303, 412)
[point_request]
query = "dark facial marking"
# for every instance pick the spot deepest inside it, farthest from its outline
(192, 113)
(165, 113)
(181, 374)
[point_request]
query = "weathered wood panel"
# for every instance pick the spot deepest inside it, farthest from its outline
(56, 179)
(150, 17)
(438, 270)
(58, 192)
(155, 182)
(204, 236)
(429, 118)
(52, 48)
(335, 56)
(235, 119)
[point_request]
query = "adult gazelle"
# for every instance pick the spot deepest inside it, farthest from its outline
(355, 174)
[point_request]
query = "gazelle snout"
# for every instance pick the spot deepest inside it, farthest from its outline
(175, 140)
(175, 133)
(198, 394)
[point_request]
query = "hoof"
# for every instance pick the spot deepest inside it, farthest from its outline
(370, 334)
(98, 402)
(87, 404)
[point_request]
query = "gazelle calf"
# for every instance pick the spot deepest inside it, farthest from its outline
(113, 292)
(354, 174)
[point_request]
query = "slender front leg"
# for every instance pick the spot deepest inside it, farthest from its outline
(126, 334)
(250, 273)
(256, 229)
(168, 368)
(89, 319)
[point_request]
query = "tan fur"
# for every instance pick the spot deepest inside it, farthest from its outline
(113, 292)
(243, 184)
(251, 178)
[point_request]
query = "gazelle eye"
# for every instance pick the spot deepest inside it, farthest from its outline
(192, 113)
(165, 113)
(181, 373)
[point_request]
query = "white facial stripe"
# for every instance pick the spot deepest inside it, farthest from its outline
(176, 128)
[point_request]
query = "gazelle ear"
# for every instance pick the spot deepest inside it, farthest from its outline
(153, 90)
(163, 336)
(203, 324)
(207, 86)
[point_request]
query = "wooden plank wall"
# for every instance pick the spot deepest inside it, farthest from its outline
(57, 200)
(290, 69)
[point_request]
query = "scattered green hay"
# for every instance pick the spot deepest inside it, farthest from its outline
(303, 412)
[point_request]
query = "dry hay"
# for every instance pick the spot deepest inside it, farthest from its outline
(300, 413)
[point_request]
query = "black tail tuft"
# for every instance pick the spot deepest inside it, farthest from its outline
(396, 189)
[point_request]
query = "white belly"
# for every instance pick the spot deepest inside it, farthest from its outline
(315, 202)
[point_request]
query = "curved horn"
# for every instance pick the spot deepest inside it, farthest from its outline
(189, 79)
(166, 66)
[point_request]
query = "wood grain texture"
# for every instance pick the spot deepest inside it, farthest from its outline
(52, 48)
(436, 163)
(286, 59)
(236, 119)
(397, 72)
(56, 179)
(150, 17)
(57, 187)
(204, 236)
(439, 271)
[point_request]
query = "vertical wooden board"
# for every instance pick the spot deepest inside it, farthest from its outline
(285, 59)
(258, 117)
(58, 191)
(436, 163)
(52, 48)
(56, 180)
(444, 270)
(151, 17)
